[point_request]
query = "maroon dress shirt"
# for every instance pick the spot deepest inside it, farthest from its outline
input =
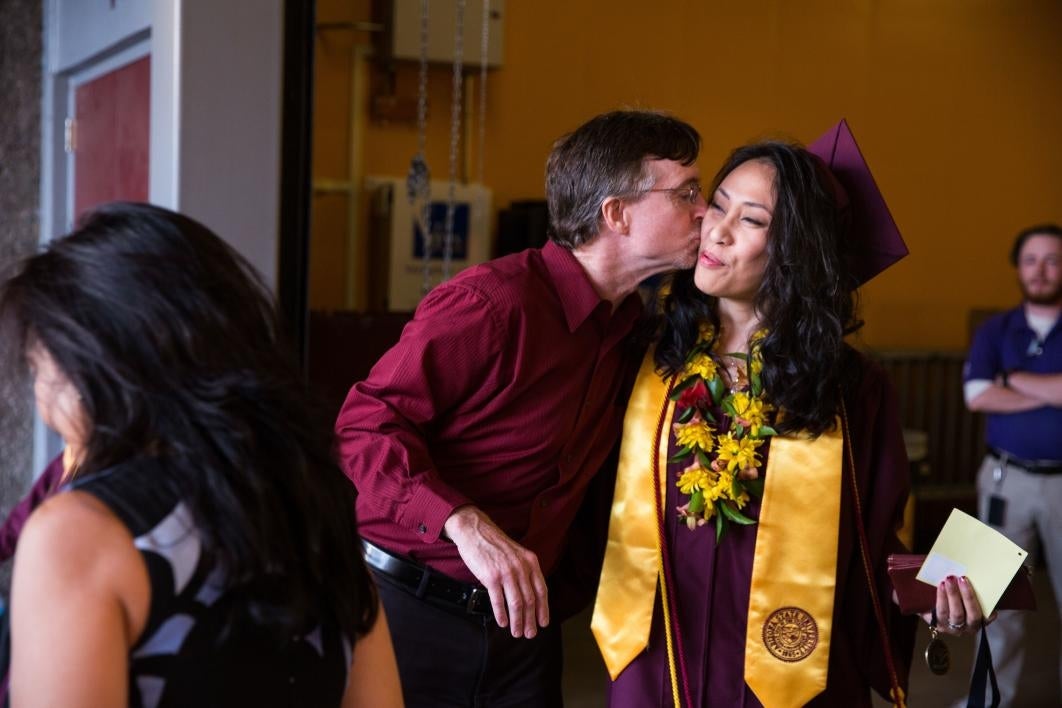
(505, 391)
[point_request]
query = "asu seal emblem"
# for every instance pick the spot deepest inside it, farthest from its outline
(790, 634)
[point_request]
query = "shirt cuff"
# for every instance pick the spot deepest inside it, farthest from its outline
(429, 508)
(974, 388)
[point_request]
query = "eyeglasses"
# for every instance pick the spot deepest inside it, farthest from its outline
(688, 193)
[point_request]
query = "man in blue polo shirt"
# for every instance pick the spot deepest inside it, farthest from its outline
(1014, 375)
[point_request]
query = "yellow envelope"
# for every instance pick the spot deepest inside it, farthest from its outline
(968, 547)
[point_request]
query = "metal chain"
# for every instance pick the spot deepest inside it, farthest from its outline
(422, 80)
(455, 134)
(484, 46)
(418, 182)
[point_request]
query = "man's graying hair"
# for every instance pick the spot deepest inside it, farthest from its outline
(606, 157)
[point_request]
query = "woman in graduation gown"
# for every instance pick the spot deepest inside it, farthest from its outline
(763, 476)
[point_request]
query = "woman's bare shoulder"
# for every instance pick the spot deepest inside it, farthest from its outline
(74, 543)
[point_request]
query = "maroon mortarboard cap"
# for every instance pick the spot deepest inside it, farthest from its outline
(878, 243)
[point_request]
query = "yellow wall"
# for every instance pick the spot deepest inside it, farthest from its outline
(956, 104)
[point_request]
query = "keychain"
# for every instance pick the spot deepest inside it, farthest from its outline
(938, 658)
(997, 503)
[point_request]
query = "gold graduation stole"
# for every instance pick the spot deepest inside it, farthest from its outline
(795, 564)
(623, 610)
(794, 570)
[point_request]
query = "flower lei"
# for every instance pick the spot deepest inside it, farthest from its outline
(724, 461)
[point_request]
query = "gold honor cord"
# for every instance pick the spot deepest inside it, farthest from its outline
(794, 570)
(623, 610)
(896, 692)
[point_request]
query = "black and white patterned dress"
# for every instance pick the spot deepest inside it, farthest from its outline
(190, 653)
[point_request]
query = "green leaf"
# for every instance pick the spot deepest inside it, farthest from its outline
(686, 414)
(738, 355)
(754, 487)
(697, 502)
(736, 487)
(702, 457)
(720, 527)
(707, 415)
(681, 454)
(716, 388)
(728, 406)
(767, 431)
(755, 384)
(682, 386)
(734, 515)
(738, 430)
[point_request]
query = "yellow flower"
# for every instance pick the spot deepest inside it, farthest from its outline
(692, 479)
(705, 332)
(703, 365)
(742, 402)
(756, 363)
(737, 454)
(751, 410)
(695, 433)
(720, 488)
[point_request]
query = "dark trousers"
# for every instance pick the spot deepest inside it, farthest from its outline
(447, 657)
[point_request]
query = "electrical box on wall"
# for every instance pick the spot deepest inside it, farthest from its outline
(403, 22)
(396, 249)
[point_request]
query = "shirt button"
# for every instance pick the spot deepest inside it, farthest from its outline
(422, 529)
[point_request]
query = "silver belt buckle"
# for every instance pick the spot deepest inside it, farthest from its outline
(1000, 470)
(472, 597)
(374, 556)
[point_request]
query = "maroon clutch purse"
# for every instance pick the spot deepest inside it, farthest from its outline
(916, 596)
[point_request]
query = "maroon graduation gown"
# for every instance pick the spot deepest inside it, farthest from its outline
(712, 582)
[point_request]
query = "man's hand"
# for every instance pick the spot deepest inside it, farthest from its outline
(509, 571)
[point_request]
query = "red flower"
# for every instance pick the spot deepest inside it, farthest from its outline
(696, 395)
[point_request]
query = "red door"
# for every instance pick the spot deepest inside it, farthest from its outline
(111, 137)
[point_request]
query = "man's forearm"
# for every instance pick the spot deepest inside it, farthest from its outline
(1045, 388)
(997, 399)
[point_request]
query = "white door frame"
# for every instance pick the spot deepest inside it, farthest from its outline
(216, 74)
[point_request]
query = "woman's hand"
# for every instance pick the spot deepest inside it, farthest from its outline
(957, 611)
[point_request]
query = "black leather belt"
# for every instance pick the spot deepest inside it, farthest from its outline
(428, 583)
(1032, 466)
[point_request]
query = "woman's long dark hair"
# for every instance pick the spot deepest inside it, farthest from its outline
(174, 345)
(807, 299)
